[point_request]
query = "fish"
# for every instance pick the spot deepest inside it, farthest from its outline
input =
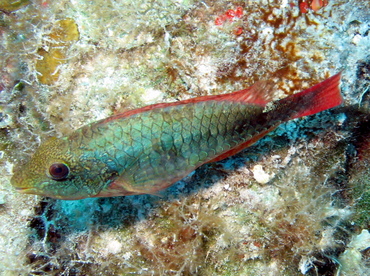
(146, 150)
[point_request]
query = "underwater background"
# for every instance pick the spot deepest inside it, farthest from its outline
(295, 203)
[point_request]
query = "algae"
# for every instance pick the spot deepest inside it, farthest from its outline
(9, 6)
(98, 58)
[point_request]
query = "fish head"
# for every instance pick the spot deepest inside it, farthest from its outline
(53, 172)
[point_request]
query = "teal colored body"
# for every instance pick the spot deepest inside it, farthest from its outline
(145, 150)
(149, 151)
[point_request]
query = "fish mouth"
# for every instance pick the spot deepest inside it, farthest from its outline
(25, 190)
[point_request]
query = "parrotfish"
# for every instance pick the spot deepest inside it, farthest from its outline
(146, 150)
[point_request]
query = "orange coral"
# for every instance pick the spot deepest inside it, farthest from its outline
(315, 5)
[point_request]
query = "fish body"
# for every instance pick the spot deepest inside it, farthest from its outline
(145, 150)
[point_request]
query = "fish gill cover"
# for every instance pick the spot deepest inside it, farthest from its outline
(296, 203)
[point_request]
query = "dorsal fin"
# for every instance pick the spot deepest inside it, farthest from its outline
(258, 94)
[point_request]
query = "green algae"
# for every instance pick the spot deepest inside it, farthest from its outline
(361, 197)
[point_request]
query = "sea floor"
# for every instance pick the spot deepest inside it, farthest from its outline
(295, 203)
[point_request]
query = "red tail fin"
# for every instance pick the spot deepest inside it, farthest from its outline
(317, 98)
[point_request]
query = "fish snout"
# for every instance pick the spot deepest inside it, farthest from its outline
(17, 181)
(22, 185)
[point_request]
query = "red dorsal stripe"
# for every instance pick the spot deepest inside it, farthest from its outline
(258, 94)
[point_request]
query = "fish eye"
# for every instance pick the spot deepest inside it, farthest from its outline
(58, 171)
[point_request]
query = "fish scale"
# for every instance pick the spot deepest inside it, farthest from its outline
(148, 149)
(183, 145)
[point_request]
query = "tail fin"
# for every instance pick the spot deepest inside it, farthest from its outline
(315, 99)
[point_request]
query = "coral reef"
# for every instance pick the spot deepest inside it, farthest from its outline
(295, 203)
